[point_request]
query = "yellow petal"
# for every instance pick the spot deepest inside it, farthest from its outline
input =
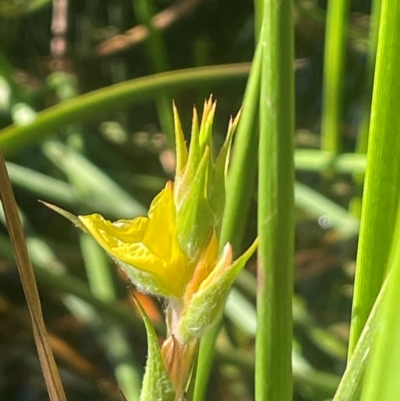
(160, 236)
(147, 244)
(112, 234)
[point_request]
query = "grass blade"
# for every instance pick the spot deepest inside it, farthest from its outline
(381, 381)
(382, 180)
(351, 383)
(86, 106)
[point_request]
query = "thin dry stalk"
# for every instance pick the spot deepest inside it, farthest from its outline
(46, 357)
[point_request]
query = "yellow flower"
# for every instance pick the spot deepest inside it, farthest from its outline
(146, 248)
(174, 252)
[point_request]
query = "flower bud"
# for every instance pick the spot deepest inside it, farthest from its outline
(200, 181)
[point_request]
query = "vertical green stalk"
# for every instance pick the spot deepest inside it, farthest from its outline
(275, 205)
(241, 178)
(334, 63)
(381, 379)
(144, 11)
(258, 17)
(382, 181)
(240, 190)
(362, 139)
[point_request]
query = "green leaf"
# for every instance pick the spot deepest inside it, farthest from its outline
(156, 382)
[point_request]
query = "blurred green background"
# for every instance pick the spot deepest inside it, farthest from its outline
(116, 159)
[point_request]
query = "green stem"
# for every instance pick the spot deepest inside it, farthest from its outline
(241, 179)
(362, 138)
(240, 190)
(275, 206)
(381, 376)
(382, 179)
(258, 18)
(363, 133)
(334, 63)
(94, 103)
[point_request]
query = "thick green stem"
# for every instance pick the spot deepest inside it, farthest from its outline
(240, 189)
(275, 206)
(382, 179)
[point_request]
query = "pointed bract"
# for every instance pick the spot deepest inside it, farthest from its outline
(194, 218)
(180, 144)
(200, 187)
(157, 385)
(205, 307)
